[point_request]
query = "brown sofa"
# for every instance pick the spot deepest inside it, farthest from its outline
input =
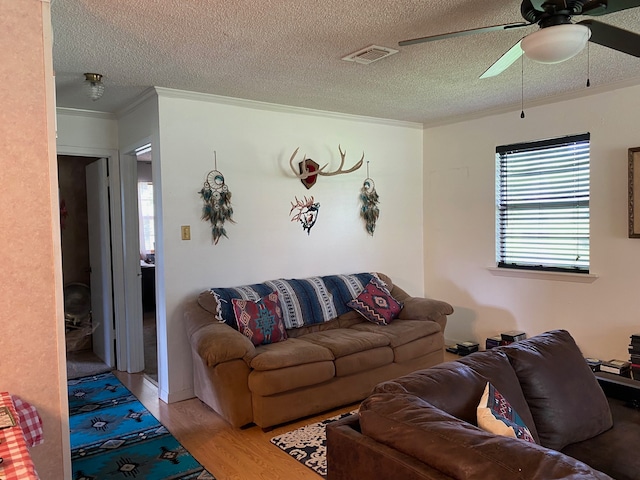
(423, 425)
(319, 367)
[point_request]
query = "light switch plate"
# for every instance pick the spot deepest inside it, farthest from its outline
(186, 232)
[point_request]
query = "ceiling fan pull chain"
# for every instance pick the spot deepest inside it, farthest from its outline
(522, 85)
(588, 66)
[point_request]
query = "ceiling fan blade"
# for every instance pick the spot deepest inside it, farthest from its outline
(504, 62)
(537, 4)
(603, 7)
(613, 37)
(472, 31)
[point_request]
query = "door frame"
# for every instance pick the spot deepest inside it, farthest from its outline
(117, 243)
(133, 346)
(102, 318)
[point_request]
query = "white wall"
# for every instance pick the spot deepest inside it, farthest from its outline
(253, 144)
(459, 225)
(85, 132)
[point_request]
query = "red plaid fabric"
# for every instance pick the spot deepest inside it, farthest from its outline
(30, 422)
(16, 462)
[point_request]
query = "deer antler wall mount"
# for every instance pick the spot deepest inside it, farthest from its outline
(308, 170)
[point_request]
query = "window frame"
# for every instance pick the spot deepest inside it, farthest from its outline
(543, 206)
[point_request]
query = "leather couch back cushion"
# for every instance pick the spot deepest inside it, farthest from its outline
(456, 448)
(564, 397)
(456, 388)
(496, 368)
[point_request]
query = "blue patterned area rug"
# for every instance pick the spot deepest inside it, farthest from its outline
(114, 437)
(308, 444)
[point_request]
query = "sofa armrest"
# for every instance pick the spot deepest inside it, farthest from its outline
(417, 308)
(217, 343)
(352, 455)
(213, 341)
(454, 447)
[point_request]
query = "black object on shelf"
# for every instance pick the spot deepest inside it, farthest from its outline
(465, 348)
(622, 388)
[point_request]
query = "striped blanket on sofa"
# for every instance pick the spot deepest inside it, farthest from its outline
(304, 302)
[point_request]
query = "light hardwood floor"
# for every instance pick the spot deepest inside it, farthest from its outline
(228, 453)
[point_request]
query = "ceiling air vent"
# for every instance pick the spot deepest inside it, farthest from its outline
(370, 54)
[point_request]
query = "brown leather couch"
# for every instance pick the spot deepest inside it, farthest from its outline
(423, 425)
(319, 367)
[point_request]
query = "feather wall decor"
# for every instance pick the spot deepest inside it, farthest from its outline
(217, 203)
(369, 199)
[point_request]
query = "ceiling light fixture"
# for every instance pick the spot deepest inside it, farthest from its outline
(93, 86)
(556, 43)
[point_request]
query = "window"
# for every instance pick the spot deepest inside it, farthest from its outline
(542, 217)
(145, 212)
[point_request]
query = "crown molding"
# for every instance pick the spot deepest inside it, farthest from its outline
(78, 112)
(275, 107)
(143, 97)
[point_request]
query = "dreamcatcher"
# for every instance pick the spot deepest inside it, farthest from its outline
(370, 199)
(217, 202)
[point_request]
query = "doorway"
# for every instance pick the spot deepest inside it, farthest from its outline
(147, 242)
(86, 265)
(98, 268)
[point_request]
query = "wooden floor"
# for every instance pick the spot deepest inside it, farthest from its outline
(228, 453)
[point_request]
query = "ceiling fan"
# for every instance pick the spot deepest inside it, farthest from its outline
(558, 38)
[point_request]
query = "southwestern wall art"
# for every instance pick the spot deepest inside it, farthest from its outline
(306, 212)
(369, 198)
(217, 203)
(308, 170)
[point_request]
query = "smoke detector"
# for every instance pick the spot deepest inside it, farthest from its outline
(370, 54)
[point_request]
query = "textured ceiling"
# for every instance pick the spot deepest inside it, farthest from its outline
(289, 52)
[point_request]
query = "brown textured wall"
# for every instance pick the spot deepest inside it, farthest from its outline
(74, 227)
(32, 335)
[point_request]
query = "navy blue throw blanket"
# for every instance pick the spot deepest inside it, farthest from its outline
(305, 301)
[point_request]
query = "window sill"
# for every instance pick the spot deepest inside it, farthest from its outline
(538, 275)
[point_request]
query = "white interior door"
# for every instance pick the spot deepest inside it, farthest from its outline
(100, 260)
(132, 268)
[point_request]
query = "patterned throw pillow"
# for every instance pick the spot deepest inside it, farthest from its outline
(376, 304)
(260, 321)
(495, 415)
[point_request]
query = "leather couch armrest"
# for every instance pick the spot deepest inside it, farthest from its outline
(454, 447)
(352, 455)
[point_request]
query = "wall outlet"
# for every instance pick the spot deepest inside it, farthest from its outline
(186, 232)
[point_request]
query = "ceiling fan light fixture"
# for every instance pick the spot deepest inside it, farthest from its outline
(93, 86)
(556, 44)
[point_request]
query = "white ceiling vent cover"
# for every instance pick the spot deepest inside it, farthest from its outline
(370, 54)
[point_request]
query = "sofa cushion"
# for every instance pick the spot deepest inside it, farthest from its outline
(260, 321)
(494, 365)
(363, 361)
(418, 348)
(401, 331)
(286, 354)
(376, 304)
(565, 400)
(271, 382)
(456, 388)
(345, 341)
(616, 450)
(458, 449)
(496, 415)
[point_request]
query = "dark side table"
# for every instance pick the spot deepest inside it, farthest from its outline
(622, 388)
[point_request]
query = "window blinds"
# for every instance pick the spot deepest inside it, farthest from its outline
(543, 205)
